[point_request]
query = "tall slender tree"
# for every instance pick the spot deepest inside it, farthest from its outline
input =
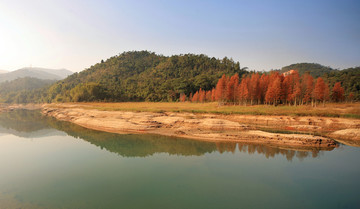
(243, 90)
(208, 96)
(231, 88)
(264, 83)
(213, 95)
(254, 88)
(319, 90)
(195, 97)
(182, 97)
(221, 89)
(308, 82)
(287, 89)
(273, 94)
(201, 95)
(338, 92)
(326, 93)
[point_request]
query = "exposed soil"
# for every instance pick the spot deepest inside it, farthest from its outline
(211, 127)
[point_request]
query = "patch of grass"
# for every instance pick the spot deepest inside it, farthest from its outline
(282, 131)
(351, 116)
(279, 131)
(345, 110)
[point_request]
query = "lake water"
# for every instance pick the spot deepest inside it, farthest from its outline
(50, 164)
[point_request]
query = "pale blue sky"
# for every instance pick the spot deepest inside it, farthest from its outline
(261, 35)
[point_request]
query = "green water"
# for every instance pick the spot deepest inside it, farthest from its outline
(45, 163)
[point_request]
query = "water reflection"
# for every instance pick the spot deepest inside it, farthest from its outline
(270, 151)
(27, 123)
(137, 145)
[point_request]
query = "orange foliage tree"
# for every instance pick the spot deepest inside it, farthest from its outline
(273, 94)
(213, 95)
(195, 97)
(182, 97)
(208, 96)
(232, 86)
(338, 92)
(264, 83)
(319, 90)
(243, 91)
(221, 88)
(254, 88)
(307, 83)
(273, 88)
(201, 95)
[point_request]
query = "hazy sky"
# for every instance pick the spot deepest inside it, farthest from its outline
(261, 35)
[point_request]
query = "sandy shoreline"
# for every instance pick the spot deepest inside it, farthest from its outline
(212, 127)
(208, 127)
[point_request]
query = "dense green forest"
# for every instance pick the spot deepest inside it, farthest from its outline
(349, 78)
(143, 76)
(23, 90)
(146, 76)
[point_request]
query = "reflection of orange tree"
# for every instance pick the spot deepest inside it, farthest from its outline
(269, 151)
(226, 147)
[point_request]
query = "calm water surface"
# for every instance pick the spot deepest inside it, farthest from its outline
(50, 164)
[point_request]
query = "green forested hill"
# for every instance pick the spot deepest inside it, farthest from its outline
(23, 90)
(349, 78)
(27, 83)
(143, 76)
(316, 70)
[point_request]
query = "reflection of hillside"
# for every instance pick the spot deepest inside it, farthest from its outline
(33, 124)
(137, 145)
(23, 120)
(146, 145)
(25, 123)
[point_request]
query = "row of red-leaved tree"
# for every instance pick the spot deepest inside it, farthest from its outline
(273, 88)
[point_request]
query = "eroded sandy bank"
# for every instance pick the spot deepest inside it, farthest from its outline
(209, 127)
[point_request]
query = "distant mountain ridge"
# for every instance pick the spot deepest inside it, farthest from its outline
(35, 72)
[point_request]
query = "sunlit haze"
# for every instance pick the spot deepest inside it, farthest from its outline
(261, 35)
